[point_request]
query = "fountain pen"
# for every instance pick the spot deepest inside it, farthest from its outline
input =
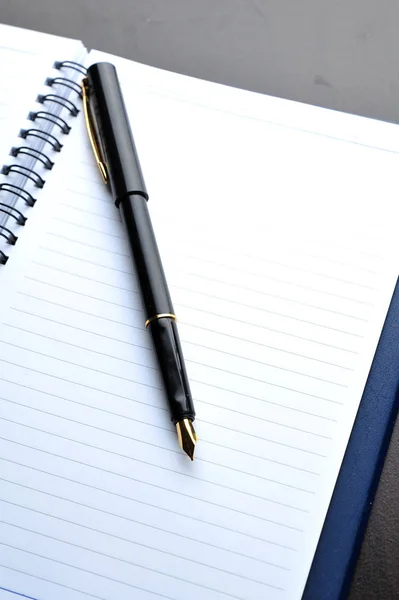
(116, 155)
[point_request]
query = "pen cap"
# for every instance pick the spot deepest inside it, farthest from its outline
(109, 116)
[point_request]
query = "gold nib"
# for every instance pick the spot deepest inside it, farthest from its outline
(187, 436)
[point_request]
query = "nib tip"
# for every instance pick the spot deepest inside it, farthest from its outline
(187, 437)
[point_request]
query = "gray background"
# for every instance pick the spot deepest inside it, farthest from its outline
(340, 54)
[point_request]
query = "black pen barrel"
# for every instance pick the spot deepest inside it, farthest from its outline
(167, 346)
(115, 140)
(138, 227)
(108, 108)
(158, 306)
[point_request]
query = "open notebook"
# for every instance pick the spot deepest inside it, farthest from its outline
(267, 214)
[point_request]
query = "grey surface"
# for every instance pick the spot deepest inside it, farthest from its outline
(341, 54)
(377, 573)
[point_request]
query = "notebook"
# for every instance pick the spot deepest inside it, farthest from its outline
(271, 221)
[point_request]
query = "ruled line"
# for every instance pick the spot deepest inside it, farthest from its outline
(114, 235)
(291, 283)
(347, 281)
(51, 267)
(85, 368)
(263, 439)
(65, 271)
(87, 262)
(262, 380)
(90, 212)
(277, 423)
(256, 517)
(86, 179)
(148, 385)
(196, 326)
(114, 394)
(61, 585)
(259, 362)
(139, 441)
(139, 566)
(54, 339)
(79, 384)
(129, 519)
(341, 263)
(151, 464)
(75, 241)
(83, 423)
(190, 361)
(187, 342)
(17, 593)
(278, 404)
(314, 324)
(258, 418)
(236, 285)
(150, 424)
(124, 539)
(65, 564)
(252, 360)
(373, 255)
(231, 251)
(280, 264)
(195, 274)
(319, 435)
(260, 308)
(298, 251)
(102, 318)
(269, 329)
(343, 367)
(130, 478)
(84, 295)
(245, 395)
(89, 163)
(86, 194)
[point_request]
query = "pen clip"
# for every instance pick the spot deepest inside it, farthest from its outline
(91, 131)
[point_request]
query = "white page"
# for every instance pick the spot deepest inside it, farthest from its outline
(279, 321)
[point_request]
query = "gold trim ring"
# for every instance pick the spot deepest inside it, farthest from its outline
(161, 316)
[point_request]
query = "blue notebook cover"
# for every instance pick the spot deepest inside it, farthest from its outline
(335, 559)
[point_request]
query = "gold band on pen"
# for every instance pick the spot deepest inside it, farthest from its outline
(90, 130)
(160, 316)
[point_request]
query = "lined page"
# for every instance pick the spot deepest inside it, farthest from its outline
(279, 318)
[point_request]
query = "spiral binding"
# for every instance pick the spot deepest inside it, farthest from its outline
(68, 104)
(44, 159)
(29, 173)
(50, 119)
(72, 85)
(41, 114)
(42, 135)
(11, 211)
(19, 192)
(71, 65)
